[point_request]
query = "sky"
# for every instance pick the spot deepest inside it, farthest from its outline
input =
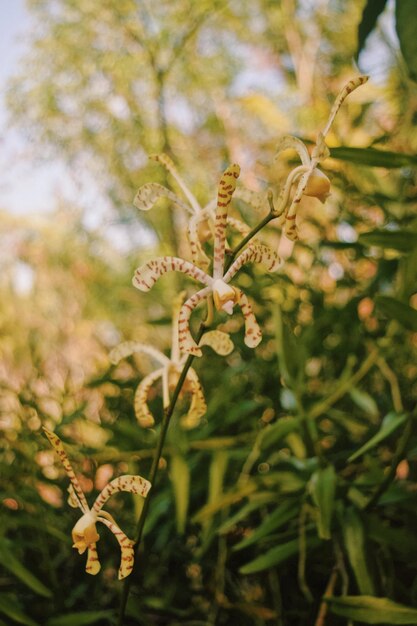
(29, 187)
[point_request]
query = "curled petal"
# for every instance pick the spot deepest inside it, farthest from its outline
(219, 341)
(93, 564)
(197, 253)
(168, 163)
(150, 193)
(146, 276)
(198, 406)
(142, 412)
(256, 199)
(255, 253)
(126, 545)
(290, 226)
(347, 89)
(72, 498)
(127, 482)
(253, 334)
(59, 449)
(288, 142)
(185, 339)
(239, 226)
(127, 348)
(226, 187)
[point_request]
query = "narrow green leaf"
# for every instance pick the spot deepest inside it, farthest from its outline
(370, 14)
(276, 555)
(401, 240)
(10, 608)
(373, 157)
(79, 619)
(364, 401)
(406, 25)
(390, 423)
(15, 567)
(323, 490)
(277, 431)
(180, 477)
(282, 514)
(227, 499)
(354, 539)
(403, 313)
(370, 610)
(256, 501)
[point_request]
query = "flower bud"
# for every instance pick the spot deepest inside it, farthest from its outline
(224, 296)
(318, 186)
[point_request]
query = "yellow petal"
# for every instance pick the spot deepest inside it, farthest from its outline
(218, 341)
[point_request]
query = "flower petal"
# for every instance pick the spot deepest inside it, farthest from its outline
(185, 339)
(226, 187)
(253, 334)
(255, 253)
(127, 482)
(150, 193)
(142, 412)
(168, 163)
(218, 341)
(197, 253)
(198, 406)
(347, 89)
(288, 142)
(126, 546)
(239, 226)
(127, 348)
(59, 449)
(258, 200)
(93, 564)
(72, 498)
(146, 276)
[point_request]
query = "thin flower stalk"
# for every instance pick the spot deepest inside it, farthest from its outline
(84, 533)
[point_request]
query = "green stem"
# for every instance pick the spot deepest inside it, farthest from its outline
(153, 473)
(248, 237)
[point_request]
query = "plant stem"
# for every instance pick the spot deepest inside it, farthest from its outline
(153, 472)
(248, 237)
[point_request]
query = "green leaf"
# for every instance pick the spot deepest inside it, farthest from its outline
(406, 25)
(354, 539)
(282, 514)
(15, 567)
(364, 401)
(179, 474)
(276, 555)
(401, 240)
(403, 313)
(277, 431)
(373, 157)
(370, 14)
(323, 490)
(10, 608)
(256, 501)
(218, 467)
(372, 610)
(80, 619)
(389, 424)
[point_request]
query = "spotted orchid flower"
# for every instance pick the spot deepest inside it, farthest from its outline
(201, 218)
(216, 286)
(170, 370)
(84, 533)
(308, 178)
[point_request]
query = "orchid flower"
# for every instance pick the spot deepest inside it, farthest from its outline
(84, 533)
(170, 370)
(310, 180)
(201, 221)
(225, 297)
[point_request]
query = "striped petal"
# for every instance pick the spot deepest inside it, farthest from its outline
(226, 187)
(127, 348)
(239, 226)
(127, 482)
(255, 253)
(288, 142)
(253, 334)
(185, 339)
(72, 498)
(258, 200)
(198, 255)
(126, 545)
(140, 405)
(218, 341)
(347, 89)
(59, 449)
(93, 564)
(149, 194)
(198, 406)
(146, 276)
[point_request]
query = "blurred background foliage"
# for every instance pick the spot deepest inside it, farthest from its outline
(301, 479)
